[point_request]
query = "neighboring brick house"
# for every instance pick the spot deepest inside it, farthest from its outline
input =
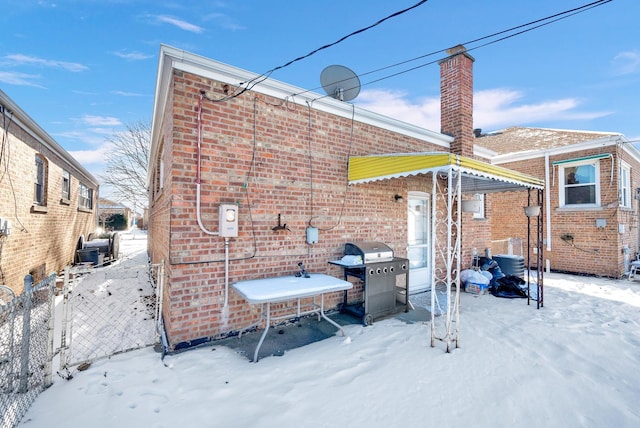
(47, 198)
(591, 195)
(288, 157)
(106, 208)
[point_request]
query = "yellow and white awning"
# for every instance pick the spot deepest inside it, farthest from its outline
(478, 176)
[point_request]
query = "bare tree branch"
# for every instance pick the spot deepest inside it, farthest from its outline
(127, 162)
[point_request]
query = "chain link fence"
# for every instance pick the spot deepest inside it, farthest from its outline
(95, 314)
(26, 347)
(108, 312)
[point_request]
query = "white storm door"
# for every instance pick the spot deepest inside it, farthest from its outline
(419, 242)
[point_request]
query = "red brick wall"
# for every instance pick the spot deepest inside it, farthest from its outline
(476, 234)
(269, 158)
(42, 241)
(595, 251)
(456, 101)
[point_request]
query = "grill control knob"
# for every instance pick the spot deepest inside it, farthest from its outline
(404, 266)
(384, 269)
(378, 271)
(391, 269)
(371, 272)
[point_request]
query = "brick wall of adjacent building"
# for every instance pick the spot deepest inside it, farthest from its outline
(595, 251)
(271, 158)
(43, 238)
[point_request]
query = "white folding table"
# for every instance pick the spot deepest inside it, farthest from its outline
(281, 289)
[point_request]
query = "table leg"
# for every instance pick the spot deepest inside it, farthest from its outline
(327, 318)
(254, 324)
(264, 333)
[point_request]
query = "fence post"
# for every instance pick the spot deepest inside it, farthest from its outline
(26, 334)
(48, 374)
(66, 289)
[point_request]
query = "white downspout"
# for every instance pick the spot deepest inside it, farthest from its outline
(547, 196)
(226, 273)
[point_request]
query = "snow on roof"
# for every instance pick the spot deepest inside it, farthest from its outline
(519, 139)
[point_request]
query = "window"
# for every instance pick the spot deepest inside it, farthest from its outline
(85, 198)
(624, 186)
(40, 180)
(480, 214)
(580, 184)
(161, 168)
(66, 185)
(158, 173)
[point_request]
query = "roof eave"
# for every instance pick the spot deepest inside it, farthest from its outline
(22, 119)
(173, 58)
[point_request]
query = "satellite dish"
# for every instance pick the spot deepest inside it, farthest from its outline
(340, 82)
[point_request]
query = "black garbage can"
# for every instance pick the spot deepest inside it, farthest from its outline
(88, 255)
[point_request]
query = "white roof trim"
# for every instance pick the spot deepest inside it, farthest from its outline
(25, 122)
(631, 149)
(172, 58)
(533, 154)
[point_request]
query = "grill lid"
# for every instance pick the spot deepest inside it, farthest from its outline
(370, 251)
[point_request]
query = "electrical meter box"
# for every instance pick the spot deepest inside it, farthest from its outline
(228, 220)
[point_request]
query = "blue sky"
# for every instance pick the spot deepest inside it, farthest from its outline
(83, 69)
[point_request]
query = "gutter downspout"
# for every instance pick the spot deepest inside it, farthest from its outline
(547, 195)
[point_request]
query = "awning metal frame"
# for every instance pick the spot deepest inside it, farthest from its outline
(445, 258)
(452, 176)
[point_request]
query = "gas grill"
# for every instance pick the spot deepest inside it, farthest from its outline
(385, 280)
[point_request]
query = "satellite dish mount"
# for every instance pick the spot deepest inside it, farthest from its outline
(340, 83)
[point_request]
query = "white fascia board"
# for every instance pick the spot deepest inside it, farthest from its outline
(611, 140)
(172, 58)
(159, 104)
(484, 152)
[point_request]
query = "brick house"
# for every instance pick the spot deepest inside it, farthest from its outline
(107, 208)
(291, 159)
(591, 195)
(48, 200)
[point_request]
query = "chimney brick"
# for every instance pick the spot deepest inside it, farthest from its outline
(456, 99)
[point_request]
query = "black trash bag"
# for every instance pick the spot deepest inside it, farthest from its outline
(510, 287)
(493, 268)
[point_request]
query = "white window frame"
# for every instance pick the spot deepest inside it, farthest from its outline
(624, 185)
(161, 168)
(480, 214)
(85, 197)
(39, 192)
(66, 185)
(561, 185)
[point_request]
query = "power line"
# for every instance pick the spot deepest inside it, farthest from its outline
(524, 28)
(251, 83)
(362, 30)
(529, 26)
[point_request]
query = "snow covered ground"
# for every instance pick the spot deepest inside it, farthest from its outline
(113, 307)
(573, 363)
